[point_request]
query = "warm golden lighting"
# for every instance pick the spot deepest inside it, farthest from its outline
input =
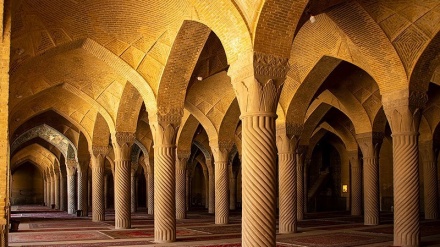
(344, 188)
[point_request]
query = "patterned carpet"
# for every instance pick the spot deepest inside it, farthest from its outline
(119, 243)
(126, 234)
(214, 229)
(335, 239)
(54, 236)
(68, 224)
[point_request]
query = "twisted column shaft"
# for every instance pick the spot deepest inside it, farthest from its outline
(45, 191)
(57, 190)
(356, 185)
(82, 192)
(150, 193)
(122, 194)
(133, 193)
(211, 188)
(187, 191)
(206, 177)
(259, 181)
(430, 185)
(287, 193)
(180, 193)
(71, 195)
(406, 185)
(232, 189)
(301, 154)
(98, 170)
(221, 193)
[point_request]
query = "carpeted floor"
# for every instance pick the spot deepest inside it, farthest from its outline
(41, 226)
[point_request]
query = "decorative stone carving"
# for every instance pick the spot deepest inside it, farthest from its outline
(369, 144)
(71, 165)
(164, 135)
(122, 143)
(287, 183)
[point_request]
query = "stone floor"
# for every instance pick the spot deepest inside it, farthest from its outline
(41, 226)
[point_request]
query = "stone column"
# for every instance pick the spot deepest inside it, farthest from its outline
(122, 143)
(206, 177)
(57, 188)
(211, 187)
(287, 191)
(404, 115)
(356, 183)
(82, 187)
(430, 185)
(150, 190)
(133, 192)
(105, 191)
(63, 192)
(45, 188)
(182, 158)
(232, 189)
(369, 144)
(71, 195)
(257, 79)
(301, 152)
(98, 170)
(52, 189)
(220, 151)
(164, 131)
(188, 190)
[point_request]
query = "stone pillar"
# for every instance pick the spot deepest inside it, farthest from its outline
(133, 192)
(220, 151)
(301, 152)
(404, 115)
(98, 170)
(188, 190)
(63, 192)
(82, 187)
(164, 135)
(105, 191)
(181, 184)
(211, 187)
(369, 144)
(45, 189)
(232, 189)
(257, 79)
(430, 186)
(150, 192)
(356, 183)
(57, 189)
(52, 189)
(71, 195)
(122, 143)
(287, 191)
(206, 177)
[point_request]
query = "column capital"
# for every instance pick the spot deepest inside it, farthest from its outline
(122, 143)
(71, 166)
(164, 133)
(403, 110)
(221, 149)
(286, 144)
(100, 151)
(257, 79)
(426, 148)
(182, 158)
(370, 143)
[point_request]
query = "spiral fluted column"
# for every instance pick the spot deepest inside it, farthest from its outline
(71, 188)
(98, 170)
(211, 187)
(232, 189)
(82, 191)
(182, 159)
(287, 182)
(164, 135)
(150, 189)
(369, 144)
(257, 79)
(63, 192)
(430, 185)
(133, 192)
(220, 152)
(57, 189)
(122, 143)
(301, 152)
(356, 183)
(404, 117)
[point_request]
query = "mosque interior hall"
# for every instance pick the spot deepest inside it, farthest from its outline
(227, 123)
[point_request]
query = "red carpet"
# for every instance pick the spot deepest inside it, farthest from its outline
(54, 236)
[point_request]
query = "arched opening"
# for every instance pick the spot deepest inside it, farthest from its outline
(27, 185)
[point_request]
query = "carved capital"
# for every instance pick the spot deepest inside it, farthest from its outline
(99, 151)
(122, 143)
(167, 115)
(71, 166)
(286, 144)
(426, 150)
(182, 159)
(403, 110)
(164, 134)
(370, 143)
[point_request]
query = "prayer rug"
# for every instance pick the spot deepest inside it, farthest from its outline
(130, 233)
(217, 229)
(124, 243)
(68, 224)
(338, 239)
(55, 236)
